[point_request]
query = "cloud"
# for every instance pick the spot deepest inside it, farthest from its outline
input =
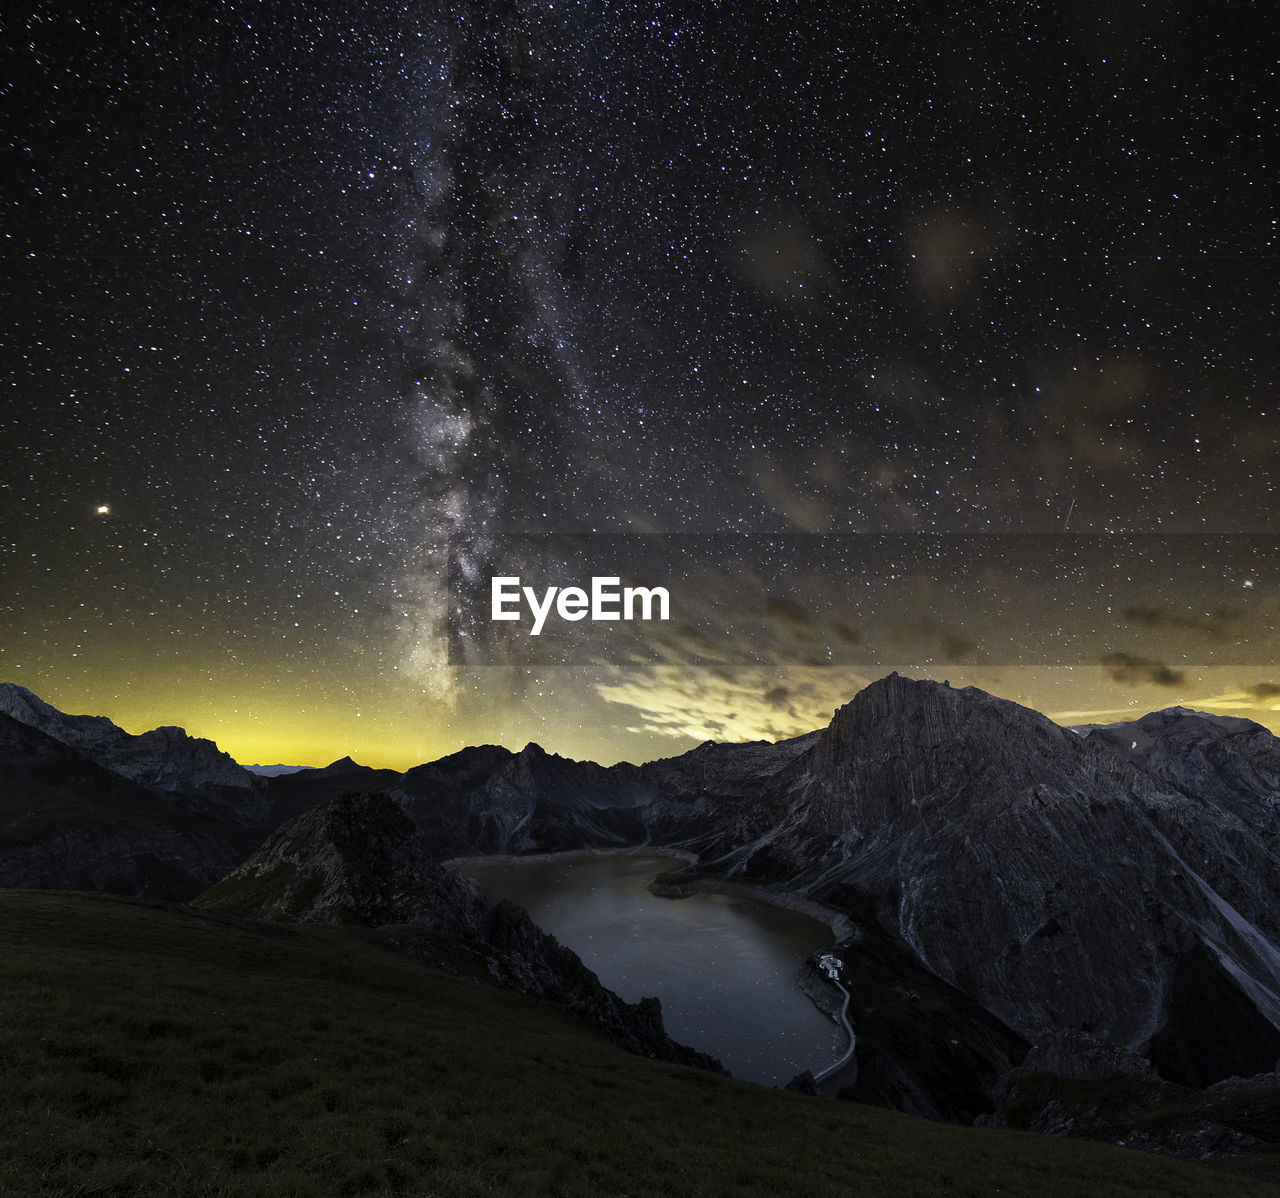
(777, 697)
(1132, 670)
(932, 638)
(787, 610)
(1092, 715)
(747, 703)
(1261, 691)
(951, 249)
(1220, 624)
(787, 260)
(798, 502)
(846, 632)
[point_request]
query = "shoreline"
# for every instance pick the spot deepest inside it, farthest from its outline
(513, 858)
(841, 926)
(837, 922)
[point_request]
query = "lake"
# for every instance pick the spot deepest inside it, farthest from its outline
(723, 966)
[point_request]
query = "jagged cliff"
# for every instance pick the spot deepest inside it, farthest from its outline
(1051, 878)
(164, 759)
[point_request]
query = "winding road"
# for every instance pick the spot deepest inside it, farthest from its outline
(843, 1020)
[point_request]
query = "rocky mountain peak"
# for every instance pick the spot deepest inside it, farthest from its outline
(1231, 762)
(1186, 721)
(1065, 880)
(1181, 723)
(164, 759)
(344, 765)
(28, 708)
(906, 715)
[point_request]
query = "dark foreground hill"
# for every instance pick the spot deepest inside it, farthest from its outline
(159, 1050)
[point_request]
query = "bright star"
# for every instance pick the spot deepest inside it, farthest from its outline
(103, 510)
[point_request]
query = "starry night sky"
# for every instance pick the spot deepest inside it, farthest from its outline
(938, 338)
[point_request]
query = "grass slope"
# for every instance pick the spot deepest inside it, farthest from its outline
(158, 1050)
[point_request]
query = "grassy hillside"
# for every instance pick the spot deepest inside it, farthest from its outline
(156, 1050)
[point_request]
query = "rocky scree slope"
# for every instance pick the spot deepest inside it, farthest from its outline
(1230, 762)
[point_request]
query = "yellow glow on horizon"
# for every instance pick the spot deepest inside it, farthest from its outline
(276, 729)
(636, 714)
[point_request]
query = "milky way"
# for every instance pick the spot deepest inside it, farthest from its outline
(336, 310)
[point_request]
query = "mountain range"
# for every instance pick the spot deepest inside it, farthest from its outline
(1108, 894)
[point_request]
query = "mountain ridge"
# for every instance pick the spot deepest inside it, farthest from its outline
(164, 758)
(1067, 882)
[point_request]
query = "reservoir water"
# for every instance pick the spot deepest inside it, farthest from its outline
(723, 966)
